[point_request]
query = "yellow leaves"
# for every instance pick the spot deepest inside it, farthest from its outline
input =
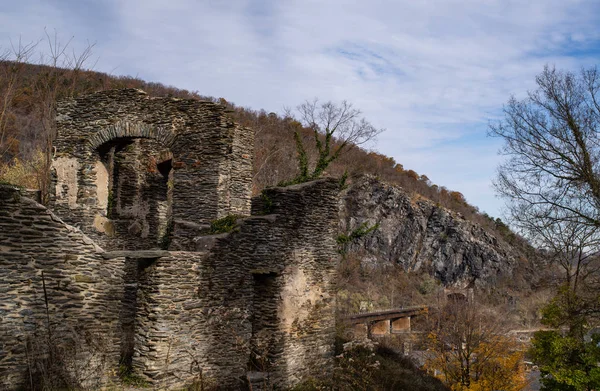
(489, 369)
(24, 173)
(468, 352)
(500, 372)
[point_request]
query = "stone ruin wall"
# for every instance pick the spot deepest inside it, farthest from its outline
(266, 289)
(116, 148)
(82, 289)
(208, 305)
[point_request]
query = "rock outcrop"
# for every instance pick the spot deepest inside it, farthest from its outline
(424, 237)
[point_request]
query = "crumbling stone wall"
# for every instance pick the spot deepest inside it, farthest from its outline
(82, 290)
(259, 299)
(210, 157)
(140, 197)
(137, 173)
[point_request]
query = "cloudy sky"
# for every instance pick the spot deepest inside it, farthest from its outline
(433, 73)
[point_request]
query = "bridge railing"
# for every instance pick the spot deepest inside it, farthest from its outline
(394, 313)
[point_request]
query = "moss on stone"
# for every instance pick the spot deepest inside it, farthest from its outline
(224, 224)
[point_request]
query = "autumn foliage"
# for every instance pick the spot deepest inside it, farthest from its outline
(469, 349)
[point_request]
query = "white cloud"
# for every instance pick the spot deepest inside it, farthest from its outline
(430, 72)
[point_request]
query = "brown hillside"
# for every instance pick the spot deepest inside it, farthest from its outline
(26, 103)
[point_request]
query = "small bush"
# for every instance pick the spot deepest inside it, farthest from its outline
(224, 224)
(267, 203)
(428, 285)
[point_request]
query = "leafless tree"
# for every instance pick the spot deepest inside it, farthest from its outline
(15, 58)
(336, 127)
(62, 64)
(551, 180)
(56, 73)
(573, 247)
(552, 173)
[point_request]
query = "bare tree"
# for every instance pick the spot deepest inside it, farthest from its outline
(552, 173)
(63, 66)
(336, 127)
(54, 75)
(551, 179)
(573, 247)
(15, 59)
(469, 346)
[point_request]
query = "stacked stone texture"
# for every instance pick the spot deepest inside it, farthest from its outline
(82, 288)
(211, 155)
(140, 210)
(265, 289)
(137, 173)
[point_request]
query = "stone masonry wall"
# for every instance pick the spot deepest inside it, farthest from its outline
(258, 299)
(83, 291)
(135, 173)
(138, 211)
(211, 158)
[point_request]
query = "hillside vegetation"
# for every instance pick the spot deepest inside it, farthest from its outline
(28, 93)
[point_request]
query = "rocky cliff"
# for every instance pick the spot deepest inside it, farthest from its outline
(424, 237)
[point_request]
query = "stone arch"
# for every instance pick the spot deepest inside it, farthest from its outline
(129, 129)
(459, 295)
(134, 177)
(210, 159)
(133, 210)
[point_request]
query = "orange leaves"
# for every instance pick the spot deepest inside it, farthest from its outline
(412, 175)
(458, 197)
(469, 350)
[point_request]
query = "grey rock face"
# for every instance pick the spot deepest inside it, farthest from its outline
(422, 236)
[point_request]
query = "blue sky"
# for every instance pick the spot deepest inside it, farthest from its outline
(433, 73)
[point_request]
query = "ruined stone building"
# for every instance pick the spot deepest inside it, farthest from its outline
(122, 270)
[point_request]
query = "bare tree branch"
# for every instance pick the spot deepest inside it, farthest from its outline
(336, 127)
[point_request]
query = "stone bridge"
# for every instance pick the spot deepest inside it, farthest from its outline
(393, 321)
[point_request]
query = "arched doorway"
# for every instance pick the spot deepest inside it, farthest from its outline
(136, 190)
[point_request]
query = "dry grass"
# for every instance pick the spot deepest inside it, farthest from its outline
(24, 173)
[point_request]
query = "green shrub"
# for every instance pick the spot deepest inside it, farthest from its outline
(428, 285)
(267, 203)
(224, 224)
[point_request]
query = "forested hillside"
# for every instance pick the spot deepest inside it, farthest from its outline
(28, 93)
